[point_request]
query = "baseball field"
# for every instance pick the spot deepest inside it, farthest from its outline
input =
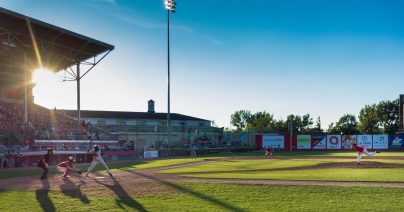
(299, 181)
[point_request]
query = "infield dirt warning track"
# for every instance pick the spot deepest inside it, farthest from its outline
(136, 182)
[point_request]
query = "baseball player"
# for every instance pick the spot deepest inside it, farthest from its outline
(44, 163)
(193, 152)
(66, 167)
(362, 150)
(96, 153)
(268, 152)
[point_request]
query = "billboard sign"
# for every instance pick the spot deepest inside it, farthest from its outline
(380, 141)
(334, 142)
(396, 141)
(348, 140)
(151, 154)
(277, 141)
(304, 142)
(365, 141)
(318, 141)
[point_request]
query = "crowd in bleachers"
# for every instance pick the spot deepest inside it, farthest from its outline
(49, 124)
(43, 124)
(9, 112)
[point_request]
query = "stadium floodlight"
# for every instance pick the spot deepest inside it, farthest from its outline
(170, 7)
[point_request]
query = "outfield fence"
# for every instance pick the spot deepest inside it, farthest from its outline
(330, 141)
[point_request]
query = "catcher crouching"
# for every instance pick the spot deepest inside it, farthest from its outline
(66, 167)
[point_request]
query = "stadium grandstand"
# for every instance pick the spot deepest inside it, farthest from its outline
(27, 129)
(27, 44)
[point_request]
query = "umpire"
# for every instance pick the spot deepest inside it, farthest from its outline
(44, 163)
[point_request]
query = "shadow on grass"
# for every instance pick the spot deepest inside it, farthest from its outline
(196, 194)
(124, 197)
(32, 171)
(72, 190)
(42, 196)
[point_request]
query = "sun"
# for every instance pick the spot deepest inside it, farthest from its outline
(42, 76)
(49, 90)
(45, 86)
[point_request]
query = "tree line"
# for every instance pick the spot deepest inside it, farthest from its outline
(372, 119)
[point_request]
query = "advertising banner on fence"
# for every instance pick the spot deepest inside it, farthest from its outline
(380, 141)
(318, 141)
(151, 154)
(348, 140)
(273, 141)
(334, 142)
(365, 141)
(304, 142)
(396, 141)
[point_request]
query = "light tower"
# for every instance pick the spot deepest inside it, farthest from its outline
(170, 7)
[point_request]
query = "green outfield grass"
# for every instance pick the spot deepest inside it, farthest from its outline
(117, 166)
(260, 164)
(213, 197)
(242, 165)
(336, 174)
(307, 170)
(302, 153)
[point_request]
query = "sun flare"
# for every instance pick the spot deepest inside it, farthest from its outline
(43, 76)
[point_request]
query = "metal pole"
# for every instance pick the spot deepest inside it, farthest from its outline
(158, 135)
(168, 78)
(291, 134)
(401, 113)
(78, 100)
(25, 93)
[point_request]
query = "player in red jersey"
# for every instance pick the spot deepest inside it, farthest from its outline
(268, 152)
(66, 167)
(362, 150)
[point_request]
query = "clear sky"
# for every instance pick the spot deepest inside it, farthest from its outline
(326, 58)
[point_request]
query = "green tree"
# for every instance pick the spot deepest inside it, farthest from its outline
(260, 122)
(279, 126)
(368, 120)
(332, 128)
(347, 124)
(296, 122)
(317, 127)
(387, 113)
(240, 119)
(307, 122)
(301, 124)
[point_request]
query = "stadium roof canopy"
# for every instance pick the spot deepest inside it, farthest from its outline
(130, 115)
(44, 45)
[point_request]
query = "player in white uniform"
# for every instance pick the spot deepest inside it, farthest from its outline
(96, 153)
(193, 152)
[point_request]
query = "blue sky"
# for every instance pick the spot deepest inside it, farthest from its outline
(326, 58)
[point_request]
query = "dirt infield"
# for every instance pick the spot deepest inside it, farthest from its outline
(149, 182)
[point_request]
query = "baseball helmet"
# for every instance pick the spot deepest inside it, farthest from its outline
(96, 148)
(71, 159)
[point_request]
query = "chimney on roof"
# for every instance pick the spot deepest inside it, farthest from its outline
(150, 105)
